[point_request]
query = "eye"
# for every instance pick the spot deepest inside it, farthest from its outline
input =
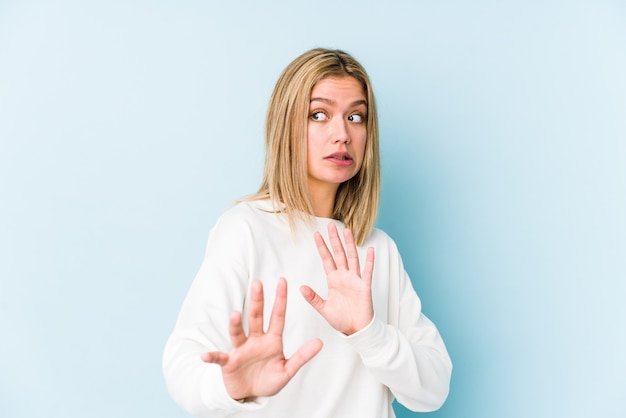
(318, 116)
(356, 118)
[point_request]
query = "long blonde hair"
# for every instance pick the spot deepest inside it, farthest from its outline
(285, 174)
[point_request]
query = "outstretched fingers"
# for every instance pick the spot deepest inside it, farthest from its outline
(327, 259)
(255, 313)
(352, 254)
(237, 337)
(235, 329)
(368, 270)
(338, 250)
(277, 320)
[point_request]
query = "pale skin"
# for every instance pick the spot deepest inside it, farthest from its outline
(256, 365)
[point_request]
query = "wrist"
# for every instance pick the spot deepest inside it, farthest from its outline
(359, 326)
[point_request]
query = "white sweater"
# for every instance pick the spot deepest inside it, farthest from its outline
(399, 354)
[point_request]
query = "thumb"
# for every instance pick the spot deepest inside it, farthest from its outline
(313, 298)
(215, 357)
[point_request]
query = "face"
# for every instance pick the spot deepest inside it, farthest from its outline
(336, 133)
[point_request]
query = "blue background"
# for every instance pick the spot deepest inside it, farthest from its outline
(126, 127)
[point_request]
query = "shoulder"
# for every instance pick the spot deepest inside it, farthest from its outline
(235, 228)
(245, 216)
(243, 212)
(237, 211)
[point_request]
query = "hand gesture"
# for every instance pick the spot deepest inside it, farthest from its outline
(256, 365)
(348, 307)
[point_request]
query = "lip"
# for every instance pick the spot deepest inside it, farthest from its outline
(340, 158)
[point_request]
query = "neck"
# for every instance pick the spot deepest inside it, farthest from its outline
(323, 201)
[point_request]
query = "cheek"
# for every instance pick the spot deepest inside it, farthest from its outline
(360, 144)
(311, 138)
(315, 141)
(310, 149)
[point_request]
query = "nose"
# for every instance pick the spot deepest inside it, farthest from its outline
(340, 132)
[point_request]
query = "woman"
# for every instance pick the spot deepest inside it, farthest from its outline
(351, 337)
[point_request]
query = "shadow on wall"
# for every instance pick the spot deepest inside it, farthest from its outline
(412, 211)
(417, 211)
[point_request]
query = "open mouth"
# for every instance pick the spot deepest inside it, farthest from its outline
(340, 157)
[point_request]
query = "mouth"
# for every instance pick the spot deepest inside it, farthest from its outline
(340, 159)
(340, 156)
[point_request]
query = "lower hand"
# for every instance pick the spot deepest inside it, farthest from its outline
(256, 365)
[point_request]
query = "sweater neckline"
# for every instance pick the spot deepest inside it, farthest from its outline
(269, 206)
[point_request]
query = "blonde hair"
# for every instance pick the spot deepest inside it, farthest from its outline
(285, 174)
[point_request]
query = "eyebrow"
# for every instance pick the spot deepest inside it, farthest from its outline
(332, 102)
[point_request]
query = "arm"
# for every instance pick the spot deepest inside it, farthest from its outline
(406, 354)
(209, 355)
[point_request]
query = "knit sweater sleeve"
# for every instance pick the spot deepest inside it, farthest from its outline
(406, 353)
(220, 286)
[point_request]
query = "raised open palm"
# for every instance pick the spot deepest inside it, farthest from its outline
(348, 307)
(256, 365)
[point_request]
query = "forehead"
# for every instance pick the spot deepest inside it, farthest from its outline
(334, 86)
